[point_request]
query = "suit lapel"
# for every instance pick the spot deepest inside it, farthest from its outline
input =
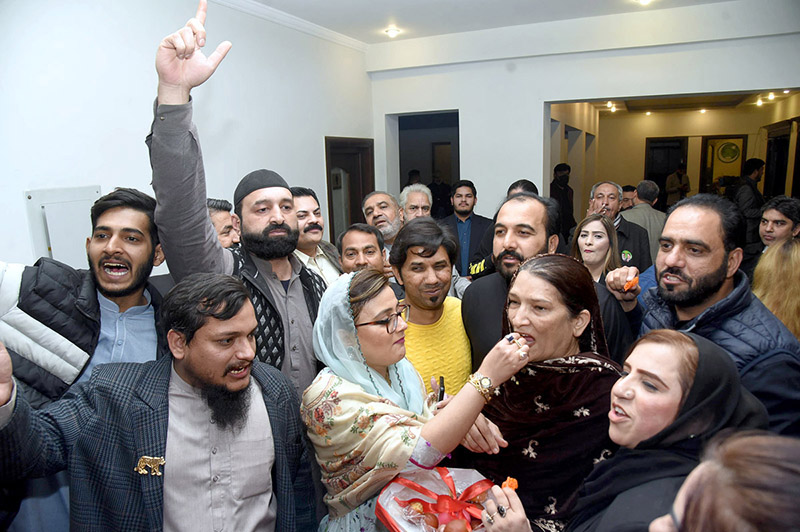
(150, 417)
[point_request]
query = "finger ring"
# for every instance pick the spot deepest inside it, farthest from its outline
(501, 510)
(490, 518)
(522, 354)
(510, 339)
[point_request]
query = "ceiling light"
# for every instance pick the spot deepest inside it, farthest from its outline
(613, 108)
(786, 91)
(771, 96)
(392, 31)
(608, 104)
(644, 2)
(648, 113)
(759, 102)
(702, 111)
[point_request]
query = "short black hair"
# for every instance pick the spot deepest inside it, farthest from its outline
(731, 218)
(751, 165)
(562, 167)
(524, 185)
(426, 233)
(550, 207)
(199, 296)
(218, 205)
(647, 191)
(789, 207)
(303, 192)
(628, 188)
(413, 172)
(463, 183)
(364, 228)
(128, 198)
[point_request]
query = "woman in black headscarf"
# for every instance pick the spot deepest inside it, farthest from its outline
(552, 413)
(677, 391)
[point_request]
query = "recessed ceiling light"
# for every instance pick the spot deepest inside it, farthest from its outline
(702, 111)
(613, 108)
(786, 91)
(771, 96)
(392, 31)
(648, 113)
(608, 104)
(644, 2)
(759, 102)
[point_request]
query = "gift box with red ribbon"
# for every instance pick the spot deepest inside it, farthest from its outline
(443, 492)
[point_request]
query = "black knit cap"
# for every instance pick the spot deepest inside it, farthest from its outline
(257, 180)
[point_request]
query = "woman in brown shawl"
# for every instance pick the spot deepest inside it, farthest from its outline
(553, 413)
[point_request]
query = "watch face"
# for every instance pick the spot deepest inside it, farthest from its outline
(486, 382)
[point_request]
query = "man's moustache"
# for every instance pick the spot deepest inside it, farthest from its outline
(311, 227)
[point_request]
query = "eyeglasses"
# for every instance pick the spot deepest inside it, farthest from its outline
(390, 322)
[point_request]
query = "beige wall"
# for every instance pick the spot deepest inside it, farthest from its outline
(575, 147)
(621, 152)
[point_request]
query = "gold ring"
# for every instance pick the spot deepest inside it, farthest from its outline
(490, 518)
(519, 344)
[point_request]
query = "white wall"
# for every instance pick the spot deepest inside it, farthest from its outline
(77, 84)
(502, 89)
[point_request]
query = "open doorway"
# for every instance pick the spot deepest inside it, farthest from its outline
(663, 156)
(429, 154)
(644, 137)
(351, 176)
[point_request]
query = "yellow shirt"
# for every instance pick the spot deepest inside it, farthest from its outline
(441, 348)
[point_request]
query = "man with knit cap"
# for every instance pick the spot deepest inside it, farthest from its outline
(285, 295)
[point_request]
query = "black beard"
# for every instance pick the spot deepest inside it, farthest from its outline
(464, 212)
(698, 291)
(141, 275)
(508, 274)
(228, 409)
(268, 247)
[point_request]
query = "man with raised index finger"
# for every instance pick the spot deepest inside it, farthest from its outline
(284, 293)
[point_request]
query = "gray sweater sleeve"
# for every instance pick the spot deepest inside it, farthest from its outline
(187, 235)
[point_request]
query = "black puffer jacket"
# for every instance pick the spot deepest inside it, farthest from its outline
(270, 337)
(766, 353)
(50, 320)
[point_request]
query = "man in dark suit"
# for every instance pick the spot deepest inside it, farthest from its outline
(634, 245)
(467, 226)
(145, 442)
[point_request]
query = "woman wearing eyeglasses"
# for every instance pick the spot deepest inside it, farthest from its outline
(367, 413)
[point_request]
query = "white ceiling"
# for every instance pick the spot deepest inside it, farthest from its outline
(365, 20)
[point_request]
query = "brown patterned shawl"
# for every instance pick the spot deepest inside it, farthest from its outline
(554, 415)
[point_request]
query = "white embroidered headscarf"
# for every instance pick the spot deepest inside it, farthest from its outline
(336, 345)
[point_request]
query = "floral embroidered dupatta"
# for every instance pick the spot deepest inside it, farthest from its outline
(362, 441)
(363, 427)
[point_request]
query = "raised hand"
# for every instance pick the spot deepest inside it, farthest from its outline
(616, 281)
(6, 382)
(505, 359)
(180, 62)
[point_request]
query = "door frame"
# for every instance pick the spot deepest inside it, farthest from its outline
(363, 146)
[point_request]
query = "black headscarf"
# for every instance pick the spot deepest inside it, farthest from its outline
(716, 401)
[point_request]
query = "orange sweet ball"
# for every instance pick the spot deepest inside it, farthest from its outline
(456, 525)
(432, 521)
(511, 482)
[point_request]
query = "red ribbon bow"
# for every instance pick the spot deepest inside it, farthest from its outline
(448, 507)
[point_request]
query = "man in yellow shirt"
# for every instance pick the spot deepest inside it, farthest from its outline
(436, 343)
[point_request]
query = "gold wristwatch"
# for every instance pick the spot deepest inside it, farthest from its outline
(483, 384)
